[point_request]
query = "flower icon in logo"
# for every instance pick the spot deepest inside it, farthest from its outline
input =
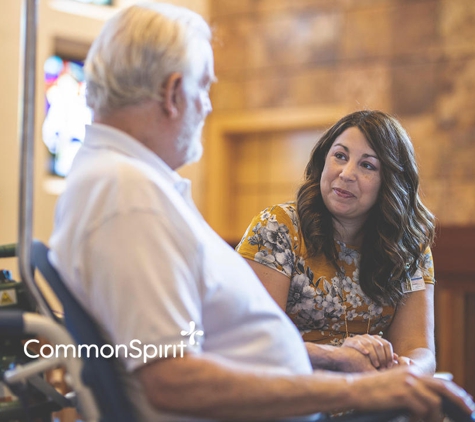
(192, 333)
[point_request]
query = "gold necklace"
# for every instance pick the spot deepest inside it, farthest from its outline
(347, 334)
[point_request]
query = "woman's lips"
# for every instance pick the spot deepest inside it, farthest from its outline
(343, 193)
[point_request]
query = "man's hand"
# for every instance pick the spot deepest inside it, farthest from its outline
(218, 389)
(341, 359)
(350, 359)
(407, 388)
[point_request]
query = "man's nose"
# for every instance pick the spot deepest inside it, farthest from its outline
(208, 106)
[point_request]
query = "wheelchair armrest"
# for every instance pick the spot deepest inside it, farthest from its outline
(16, 322)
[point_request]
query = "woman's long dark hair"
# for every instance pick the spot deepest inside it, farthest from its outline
(399, 227)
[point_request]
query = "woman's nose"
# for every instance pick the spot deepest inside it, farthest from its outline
(348, 172)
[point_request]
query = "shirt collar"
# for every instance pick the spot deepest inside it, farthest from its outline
(104, 136)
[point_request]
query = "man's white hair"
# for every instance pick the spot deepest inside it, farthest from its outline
(137, 50)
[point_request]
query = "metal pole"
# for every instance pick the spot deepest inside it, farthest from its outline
(27, 156)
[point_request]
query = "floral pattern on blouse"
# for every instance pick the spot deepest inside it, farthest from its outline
(322, 302)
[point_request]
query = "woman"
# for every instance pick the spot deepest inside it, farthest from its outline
(349, 260)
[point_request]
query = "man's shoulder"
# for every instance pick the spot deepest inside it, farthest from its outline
(115, 184)
(114, 173)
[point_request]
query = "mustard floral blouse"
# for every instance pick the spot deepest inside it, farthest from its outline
(323, 304)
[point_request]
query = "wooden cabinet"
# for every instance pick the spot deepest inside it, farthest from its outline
(454, 260)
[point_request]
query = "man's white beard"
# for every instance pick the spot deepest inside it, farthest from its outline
(189, 140)
(195, 151)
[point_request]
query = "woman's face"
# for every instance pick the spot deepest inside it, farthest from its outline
(351, 177)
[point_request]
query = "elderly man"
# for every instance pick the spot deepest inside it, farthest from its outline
(135, 251)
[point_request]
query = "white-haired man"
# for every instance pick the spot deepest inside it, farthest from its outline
(134, 250)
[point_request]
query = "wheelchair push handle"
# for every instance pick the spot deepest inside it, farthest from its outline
(8, 251)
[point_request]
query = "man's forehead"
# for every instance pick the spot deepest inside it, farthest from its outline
(202, 61)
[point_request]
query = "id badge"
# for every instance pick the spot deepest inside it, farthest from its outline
(414, 284)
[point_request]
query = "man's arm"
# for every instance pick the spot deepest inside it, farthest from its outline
(211, 387)
(333, 358)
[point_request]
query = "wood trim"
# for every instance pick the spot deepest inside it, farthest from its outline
(223, 125)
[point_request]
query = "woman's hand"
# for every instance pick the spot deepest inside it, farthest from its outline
(377, 349)
(404, 361)
(352, 360)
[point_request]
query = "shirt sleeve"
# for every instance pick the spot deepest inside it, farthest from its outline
(271, 239)
(428, 267)
(144, 278)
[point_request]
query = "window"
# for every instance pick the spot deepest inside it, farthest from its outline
(66, 112)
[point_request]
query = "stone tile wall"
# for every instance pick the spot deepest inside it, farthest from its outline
(412, 58)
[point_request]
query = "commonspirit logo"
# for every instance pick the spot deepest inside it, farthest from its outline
(135, 349)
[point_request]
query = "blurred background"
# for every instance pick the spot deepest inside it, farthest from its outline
(287, 70)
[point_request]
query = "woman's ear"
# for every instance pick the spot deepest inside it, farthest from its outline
(172, 94)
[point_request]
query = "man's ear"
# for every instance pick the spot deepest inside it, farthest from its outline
(172, 94)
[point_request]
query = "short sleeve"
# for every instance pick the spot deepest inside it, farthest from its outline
(155, 293)
(427, 267)
(271, 239)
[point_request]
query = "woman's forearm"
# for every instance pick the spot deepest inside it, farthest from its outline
(421, 357)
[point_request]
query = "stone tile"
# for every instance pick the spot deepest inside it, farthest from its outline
(431, 148)
(267, 91)
(430, 145)
(364, 86)
(460, 205)
(231, 44)
(225, 8)
(433, 194)
(413, 88)
(313, 87)
(367, 33)
(270, 5)
(414, 28)
(457, 26)
(228, 8)
(284, 39)
(460, 157)
(228, 94)
(364, 4)
(455, 106)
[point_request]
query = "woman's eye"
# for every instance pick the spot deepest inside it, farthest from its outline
(340, 156)
(368, 166)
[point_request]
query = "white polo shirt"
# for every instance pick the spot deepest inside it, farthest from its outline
(136, 253)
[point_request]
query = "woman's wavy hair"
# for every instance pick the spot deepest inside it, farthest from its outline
(399, 227)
